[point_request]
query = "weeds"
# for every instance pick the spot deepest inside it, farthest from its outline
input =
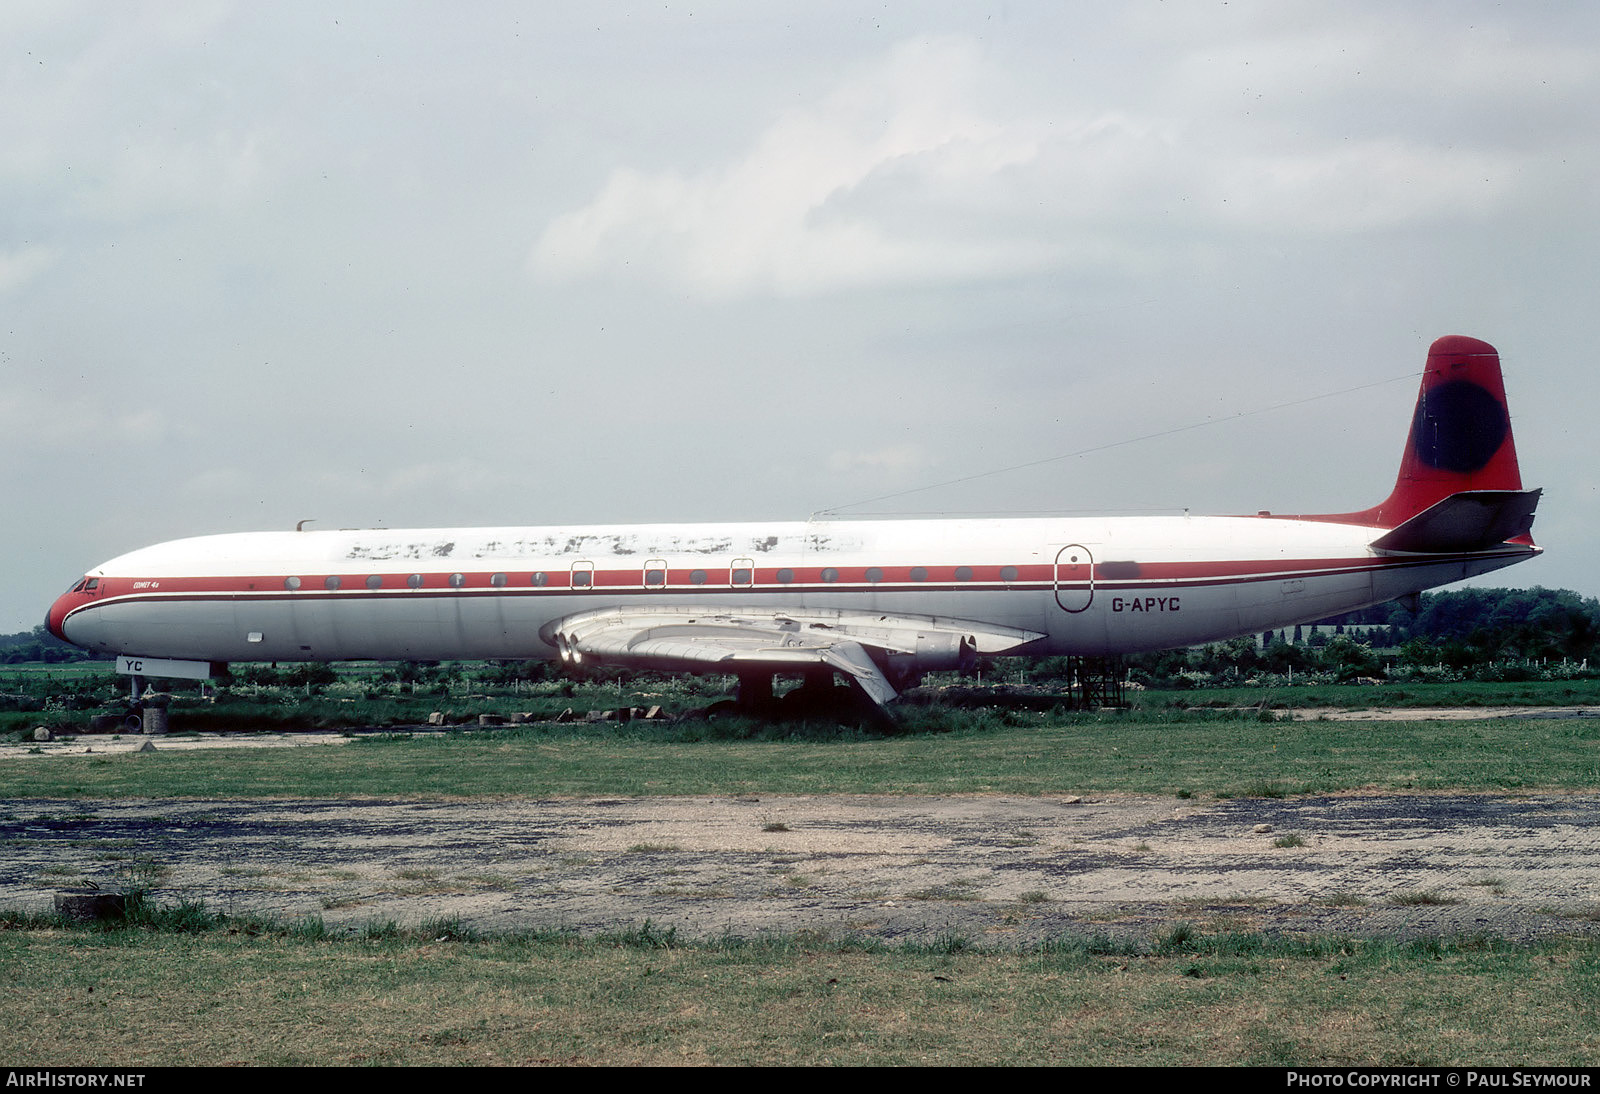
(1411, 897)
(448, 929)
(647, 936)
(1346, 900)
(953, 891)
(381, 931)
(1175, 940)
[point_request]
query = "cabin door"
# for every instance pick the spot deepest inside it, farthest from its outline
(1074, 578)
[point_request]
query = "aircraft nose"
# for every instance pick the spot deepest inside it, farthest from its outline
(57, 615)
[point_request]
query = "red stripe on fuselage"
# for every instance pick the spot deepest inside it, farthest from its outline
(1154, 576)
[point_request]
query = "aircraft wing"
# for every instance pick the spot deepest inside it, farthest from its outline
(860, 644)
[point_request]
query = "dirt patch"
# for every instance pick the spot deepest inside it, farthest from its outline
(998, 870)
(1438, 714)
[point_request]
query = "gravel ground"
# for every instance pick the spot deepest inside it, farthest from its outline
(997, 870)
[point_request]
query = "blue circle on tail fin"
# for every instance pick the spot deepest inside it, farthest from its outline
(1459, 427)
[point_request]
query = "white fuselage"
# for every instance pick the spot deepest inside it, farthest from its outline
(1090, 586)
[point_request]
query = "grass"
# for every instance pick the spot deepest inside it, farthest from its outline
(237, 992)
(1209, 754)
(1580, 692)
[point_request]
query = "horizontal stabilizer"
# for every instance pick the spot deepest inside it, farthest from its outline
(1472, 520)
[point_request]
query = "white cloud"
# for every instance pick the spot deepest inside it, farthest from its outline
(125, 111)
(160, 176)
(896, 460)
(1362, 187)
(19, 267)
(930, 168)
(36, 422)
(215, 482)
(456, 478)
(779, 219)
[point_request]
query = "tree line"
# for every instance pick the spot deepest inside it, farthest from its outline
(39, 645)
(1482, 634)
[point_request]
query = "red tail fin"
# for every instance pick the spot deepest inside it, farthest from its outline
(1460, 435)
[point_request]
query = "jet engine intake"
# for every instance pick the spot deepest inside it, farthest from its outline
(937, 652)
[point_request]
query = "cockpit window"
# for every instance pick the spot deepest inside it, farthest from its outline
(91, 584)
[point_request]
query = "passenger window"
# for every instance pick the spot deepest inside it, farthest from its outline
(331, 582)
(742, 574)
(655, 573)
(785, 576)
(1008, 573)
(963, 573)
(375, 581)
(582, 575)
(697, 577)
(830, 574)
(874, 574)
(457, 580)
(415, 581)
(919, 573)
(291, 583)
(498, 581)
(541, 578)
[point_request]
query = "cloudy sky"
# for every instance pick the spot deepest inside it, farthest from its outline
(508, 263)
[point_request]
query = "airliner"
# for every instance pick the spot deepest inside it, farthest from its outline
(875, 602)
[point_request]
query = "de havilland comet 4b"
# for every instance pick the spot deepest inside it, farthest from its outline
(878, 602)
